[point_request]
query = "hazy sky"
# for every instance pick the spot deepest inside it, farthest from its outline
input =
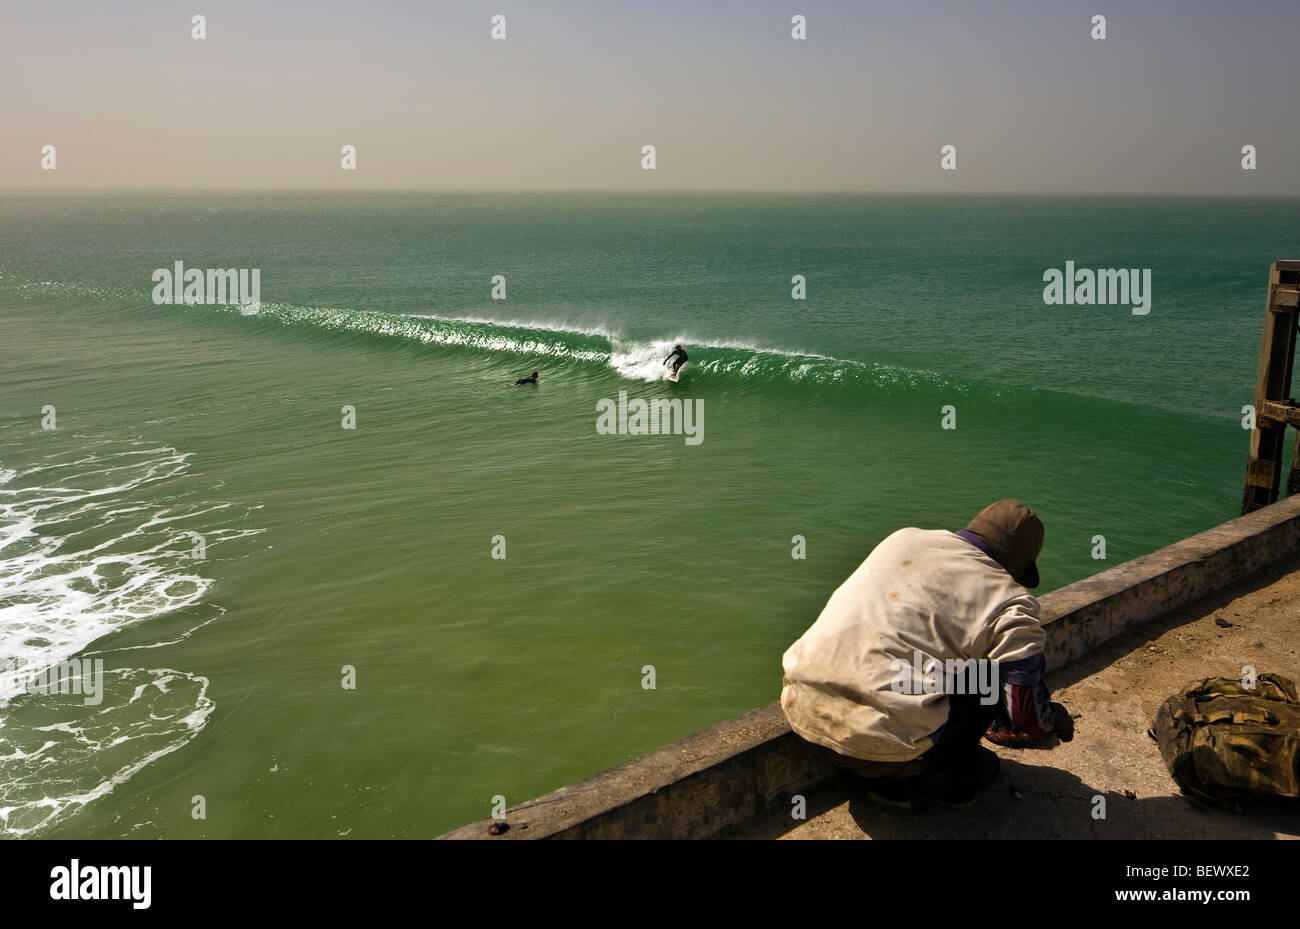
(1031, 102)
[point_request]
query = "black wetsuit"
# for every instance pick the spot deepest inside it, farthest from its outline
(531, 379)
(681, 358)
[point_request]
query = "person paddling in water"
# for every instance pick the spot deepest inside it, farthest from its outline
(680, 354)
(531, 379)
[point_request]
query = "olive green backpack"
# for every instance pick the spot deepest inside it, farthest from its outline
(1222, 742)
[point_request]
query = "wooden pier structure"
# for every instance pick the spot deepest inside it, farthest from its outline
(1275, 409)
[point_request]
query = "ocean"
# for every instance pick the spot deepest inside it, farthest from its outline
(309, 631)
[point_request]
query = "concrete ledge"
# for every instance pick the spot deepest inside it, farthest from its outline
(734, 771)
(693, 788)
(1086, 613)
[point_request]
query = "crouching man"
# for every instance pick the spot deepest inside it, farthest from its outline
(926, 597)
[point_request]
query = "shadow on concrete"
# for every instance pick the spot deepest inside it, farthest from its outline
(1056, 804)
(1051, 804)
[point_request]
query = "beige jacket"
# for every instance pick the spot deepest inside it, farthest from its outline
(920, 590)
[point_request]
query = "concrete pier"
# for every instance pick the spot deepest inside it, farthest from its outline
(737, 779)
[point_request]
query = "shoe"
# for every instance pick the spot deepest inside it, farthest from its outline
(1064, 723)
(961, 788)
(890, 791)
(1007, 737)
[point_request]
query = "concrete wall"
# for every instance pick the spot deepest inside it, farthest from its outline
(730, 773)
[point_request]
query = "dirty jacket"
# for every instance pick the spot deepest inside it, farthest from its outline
(920, 590)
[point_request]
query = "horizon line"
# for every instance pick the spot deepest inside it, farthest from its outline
(629, 190)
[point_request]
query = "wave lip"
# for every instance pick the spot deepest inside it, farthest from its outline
(629, 358)
(635, 359)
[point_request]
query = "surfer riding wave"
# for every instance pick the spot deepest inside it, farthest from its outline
(680, 354)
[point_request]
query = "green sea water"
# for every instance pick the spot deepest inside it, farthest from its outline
(372, 548)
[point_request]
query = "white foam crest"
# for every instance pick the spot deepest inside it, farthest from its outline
(598, 332)
(88, 555)
(93, 540)
(616, 336)
(51, 769)
(641, 361)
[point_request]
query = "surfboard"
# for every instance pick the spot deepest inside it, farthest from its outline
(671, 376)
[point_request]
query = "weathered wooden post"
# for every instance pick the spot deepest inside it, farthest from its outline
(1274, 408)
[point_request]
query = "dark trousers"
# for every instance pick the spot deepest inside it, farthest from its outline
(968, 719)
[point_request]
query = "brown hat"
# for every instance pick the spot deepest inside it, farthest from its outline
(1015, 536)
